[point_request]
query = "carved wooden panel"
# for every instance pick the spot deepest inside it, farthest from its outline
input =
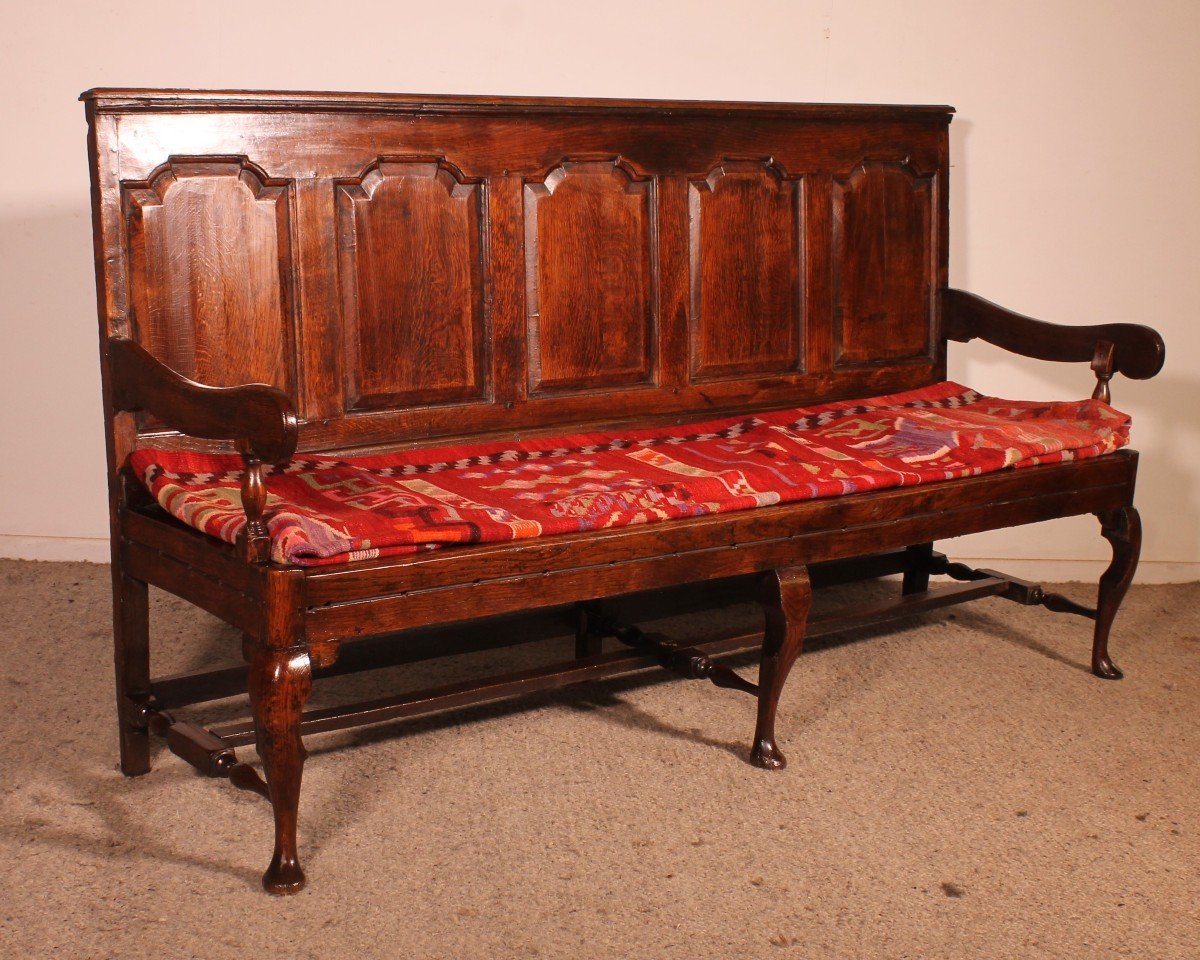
(883, 264)
(567, 287)
(210, 270)
(746, 271)
(591, 276)
(411, 240)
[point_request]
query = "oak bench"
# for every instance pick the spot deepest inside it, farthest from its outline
(324, 275)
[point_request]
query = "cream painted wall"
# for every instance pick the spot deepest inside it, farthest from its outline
(1075, 188)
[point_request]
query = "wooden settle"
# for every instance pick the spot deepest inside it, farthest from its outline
(299, 272)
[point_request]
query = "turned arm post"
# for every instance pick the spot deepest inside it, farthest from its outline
(255, 539)
(260, 419)
(1102, 367)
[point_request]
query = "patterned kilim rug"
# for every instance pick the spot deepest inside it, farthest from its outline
(326, 510)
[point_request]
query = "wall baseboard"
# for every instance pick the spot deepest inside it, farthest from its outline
(95, 550)
(1085, 571)
(87, 549)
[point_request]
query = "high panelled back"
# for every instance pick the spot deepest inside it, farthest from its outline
(412, 268)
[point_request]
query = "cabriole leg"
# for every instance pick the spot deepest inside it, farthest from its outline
(786, 598)
(280, 682)
(1122, 528)
(131, 654)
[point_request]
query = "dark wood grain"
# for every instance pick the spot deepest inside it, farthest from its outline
(684, 661)
(182, 579)
(161, 533)
(456, 272)
(412, 239)
(787, 597)
(340, 273)
(259, 415)
(1122, 528)
(134, 100)
(746, 258)
(599, 666)
(260, 419)
(425, 643)
(590, 275)
(211, 274)
(1138, 351)
(916, 577)
(884, 243)
(280, 682)
(131, 649)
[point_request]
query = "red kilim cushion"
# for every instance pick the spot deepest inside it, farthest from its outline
(322, 509)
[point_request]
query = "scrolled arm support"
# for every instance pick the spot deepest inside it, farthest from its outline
(260, 419)
(1128, 348)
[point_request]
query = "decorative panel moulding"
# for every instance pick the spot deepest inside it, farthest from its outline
(884, 264)
(412, 239)
(746, 264)
(591, 276)
(211, 279)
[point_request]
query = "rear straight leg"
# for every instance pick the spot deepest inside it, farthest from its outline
(1122, 528)
(280, 682)
(916, 577)
(131, 656)
(786, 599)
(587, 642)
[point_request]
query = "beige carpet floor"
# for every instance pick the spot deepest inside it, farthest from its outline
(959, 787)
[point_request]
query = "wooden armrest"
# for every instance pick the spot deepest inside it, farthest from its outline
(1136, 351)
(260, 418)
